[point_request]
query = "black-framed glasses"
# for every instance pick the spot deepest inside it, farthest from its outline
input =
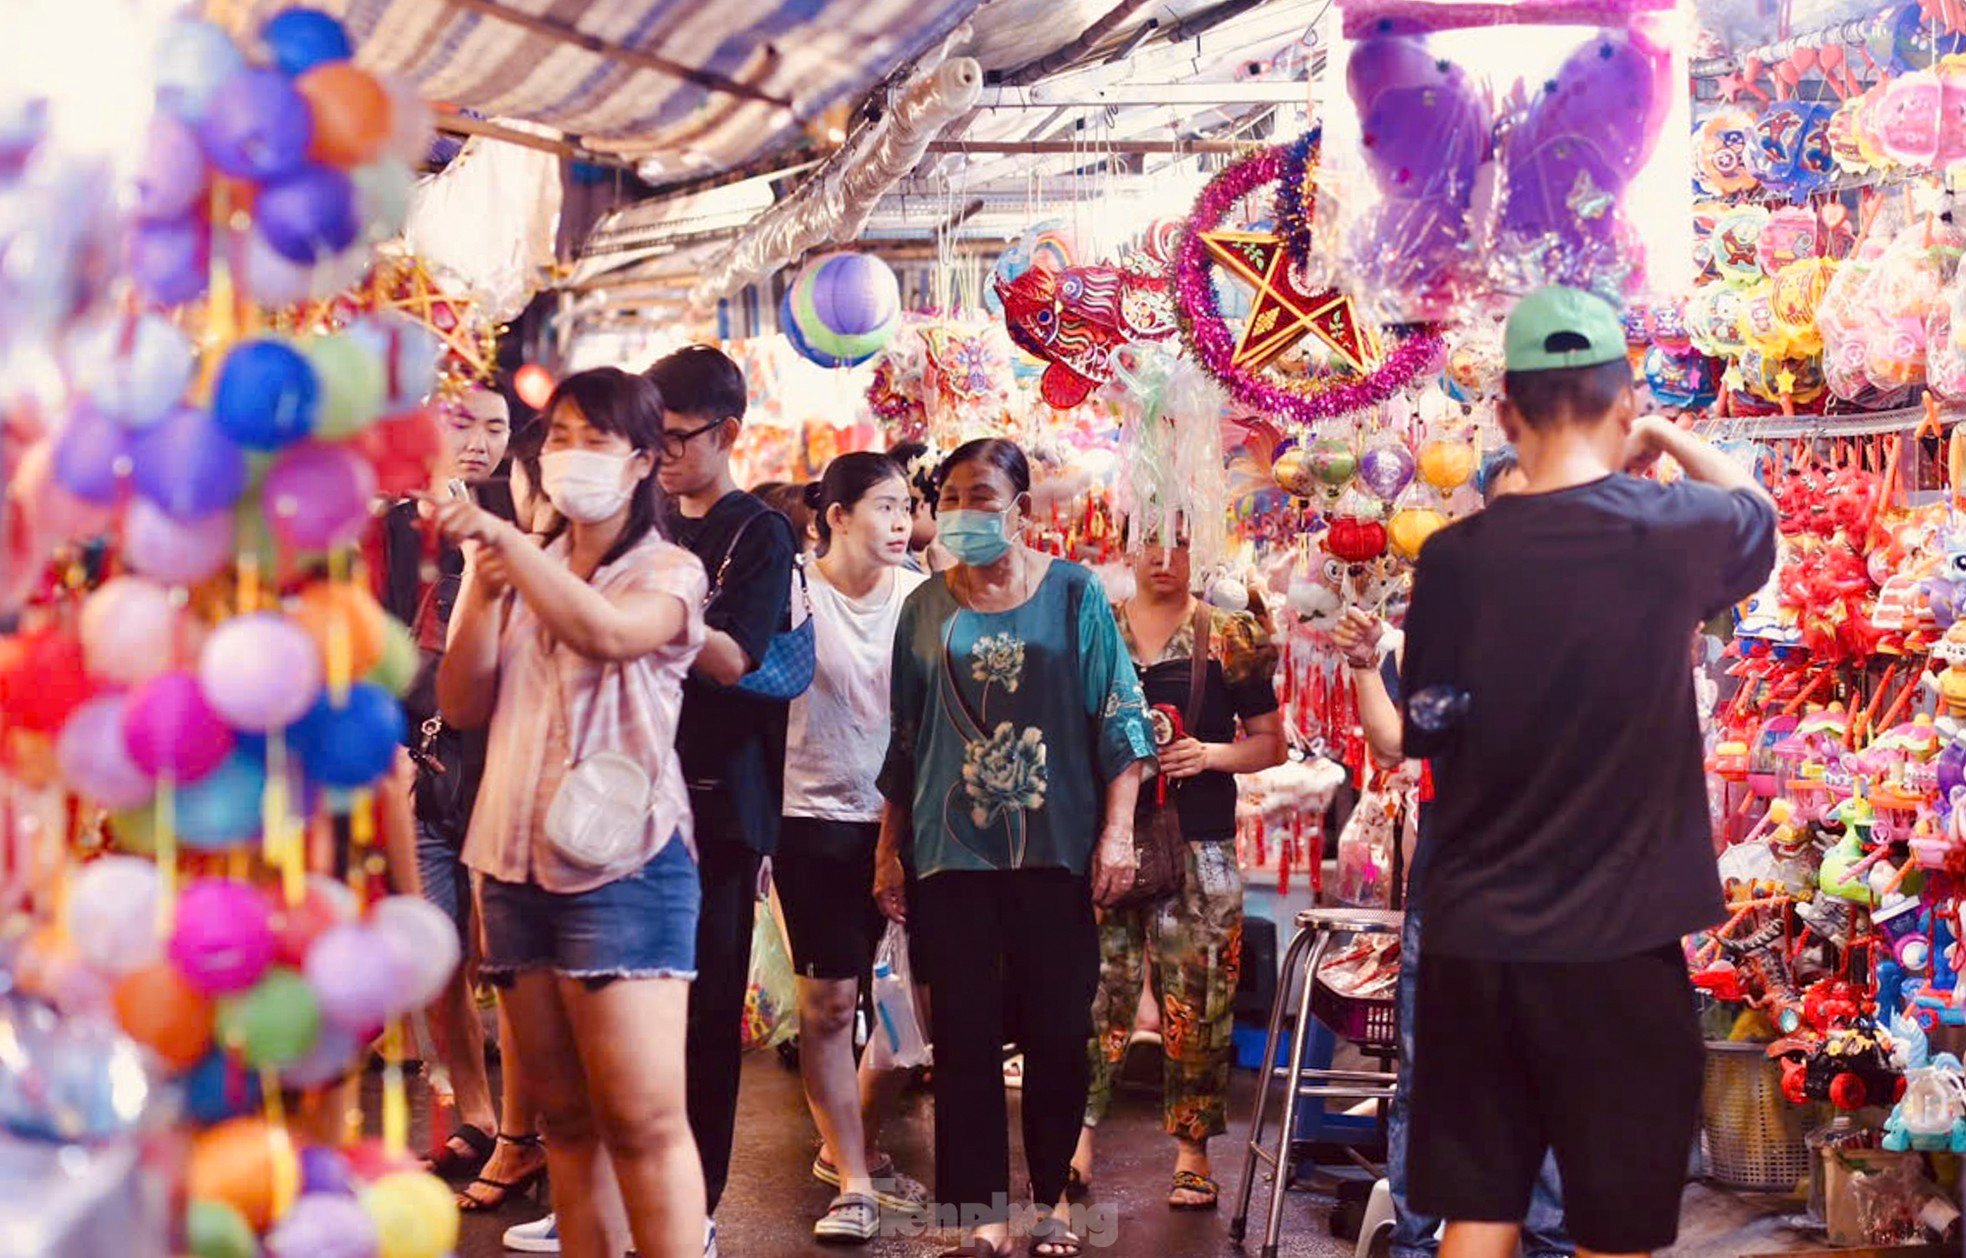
(675, 443)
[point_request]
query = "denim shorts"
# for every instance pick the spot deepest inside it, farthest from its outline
(640, 926)
(446, 883)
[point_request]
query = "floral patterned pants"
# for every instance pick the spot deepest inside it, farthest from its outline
(1194, 941)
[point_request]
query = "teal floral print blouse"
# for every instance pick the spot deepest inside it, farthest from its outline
(1008, 725)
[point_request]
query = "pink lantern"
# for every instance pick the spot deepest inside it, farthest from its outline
(94, 761)
(175, 552)
(129, 630)
(171, 730)
(317, 496)
(260, 672)
(223, 940)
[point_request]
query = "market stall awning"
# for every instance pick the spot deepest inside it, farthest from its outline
(681, 86)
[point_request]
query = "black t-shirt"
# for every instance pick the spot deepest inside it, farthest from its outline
(1548, 676)
(1242, 688)
(731, 744)
(422, 573)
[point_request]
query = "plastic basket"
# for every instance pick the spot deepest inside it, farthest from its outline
(1752, 1136)
(1373, 1025)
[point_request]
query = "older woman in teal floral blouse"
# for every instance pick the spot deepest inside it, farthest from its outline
(1020, 738)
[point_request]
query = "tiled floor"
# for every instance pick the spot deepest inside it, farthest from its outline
(772, 1200)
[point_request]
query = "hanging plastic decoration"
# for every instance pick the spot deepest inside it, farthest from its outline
(843, 309)
(1262, 364)
(1173, 477)
(1720, 152)
(1073, 319)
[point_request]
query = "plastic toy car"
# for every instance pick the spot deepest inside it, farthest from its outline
(1849, 1068)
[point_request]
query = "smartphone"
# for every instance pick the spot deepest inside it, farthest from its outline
(458, 490)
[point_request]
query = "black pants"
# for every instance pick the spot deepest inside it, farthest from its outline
(998, 946)
(714, 1052)
(1516, 1057)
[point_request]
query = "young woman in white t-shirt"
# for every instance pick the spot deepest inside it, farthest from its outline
(824, 868)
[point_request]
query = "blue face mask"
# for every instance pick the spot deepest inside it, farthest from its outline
(975, 538)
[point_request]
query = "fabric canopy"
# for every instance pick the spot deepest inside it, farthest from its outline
(805, 55)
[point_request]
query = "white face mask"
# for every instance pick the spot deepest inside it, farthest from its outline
(585, 486)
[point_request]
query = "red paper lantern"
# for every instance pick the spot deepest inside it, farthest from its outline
(42, 680)
(534, 385)
(404, 450)
(1356, 540)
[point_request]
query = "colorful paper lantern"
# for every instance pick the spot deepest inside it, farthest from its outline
(247, 1164)
(845, 308)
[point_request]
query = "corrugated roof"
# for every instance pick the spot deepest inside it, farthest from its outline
(791, 59)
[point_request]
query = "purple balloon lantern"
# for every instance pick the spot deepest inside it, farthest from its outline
(308, 216)
(333, 1053)
(1386, 469)
(188, 467)
(94, 761)
(172, 551)
(258, 126)
(356, 975)
(92, 456)
(323, 1225)
(169, 728)
(261, 671)
(324, 1170)
(171, 179)
(270, 279)
(317, 496)
(170, 260)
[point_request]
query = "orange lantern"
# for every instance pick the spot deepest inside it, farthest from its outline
(248, 1164)
(158, 1008)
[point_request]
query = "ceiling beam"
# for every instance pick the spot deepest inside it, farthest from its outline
(563, 145)
(1251, 92)
(560, 32)
(1091, 150)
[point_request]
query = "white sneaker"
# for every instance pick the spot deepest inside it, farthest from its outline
(709, 1238)
(542, 1236)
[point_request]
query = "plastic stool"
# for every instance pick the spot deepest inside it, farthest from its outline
(1378, 1221)
(1315, 930)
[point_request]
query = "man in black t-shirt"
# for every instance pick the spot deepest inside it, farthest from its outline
(732, 745)
(1546, 678)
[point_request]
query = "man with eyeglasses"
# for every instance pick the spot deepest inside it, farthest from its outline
(732, 744)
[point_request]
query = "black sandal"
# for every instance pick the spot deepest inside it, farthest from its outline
(1201, 1185)
(1077, 1187)
(454, 1163)
(506, 1189)
(1050, 1238)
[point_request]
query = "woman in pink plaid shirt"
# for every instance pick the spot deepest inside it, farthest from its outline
(567, 651)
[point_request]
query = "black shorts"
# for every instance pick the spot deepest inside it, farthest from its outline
(824, 872)
(1601, 1061)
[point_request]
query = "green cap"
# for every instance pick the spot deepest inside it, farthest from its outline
(1566, 313)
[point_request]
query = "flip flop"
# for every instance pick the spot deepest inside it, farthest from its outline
(1050, 1238)
(1201, 1185)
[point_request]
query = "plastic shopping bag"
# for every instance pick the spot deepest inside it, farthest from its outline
(771, 1002)
(897, 1041)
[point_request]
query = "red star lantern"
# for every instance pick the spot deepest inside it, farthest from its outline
(1283, 313)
